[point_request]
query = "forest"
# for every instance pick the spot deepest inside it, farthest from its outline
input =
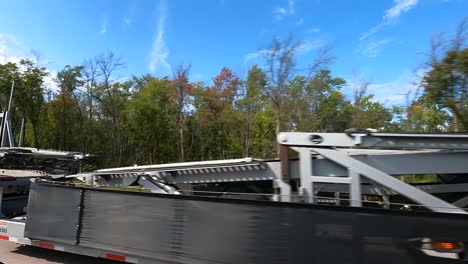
(150, 120)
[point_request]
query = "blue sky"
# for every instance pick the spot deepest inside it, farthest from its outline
(381, 41)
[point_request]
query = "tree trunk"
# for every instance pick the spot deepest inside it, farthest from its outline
(181, 142)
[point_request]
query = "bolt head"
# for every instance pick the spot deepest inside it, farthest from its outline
(283, 138)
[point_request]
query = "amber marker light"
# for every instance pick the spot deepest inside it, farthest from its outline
(447, 246)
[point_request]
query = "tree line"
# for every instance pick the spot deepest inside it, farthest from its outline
(147, 120)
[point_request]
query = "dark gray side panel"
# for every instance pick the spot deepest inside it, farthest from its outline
(53, 213)
(126, 222)
(232, 232)
(212, 230)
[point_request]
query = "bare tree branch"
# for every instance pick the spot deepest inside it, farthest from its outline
(324, 58)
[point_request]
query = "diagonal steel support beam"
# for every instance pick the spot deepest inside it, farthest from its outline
(6, 137)
(418, 196)
(462, 202)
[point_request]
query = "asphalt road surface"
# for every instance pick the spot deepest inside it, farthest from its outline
(11, 253)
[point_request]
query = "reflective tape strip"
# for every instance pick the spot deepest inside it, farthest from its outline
(115, 257)
(120, 258)
(16, 240)
(51, 246)
(46, 245)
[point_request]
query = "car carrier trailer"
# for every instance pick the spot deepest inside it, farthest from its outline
(18, 165)
(197, 212)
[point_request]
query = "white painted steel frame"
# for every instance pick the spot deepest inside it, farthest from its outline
(326, 144)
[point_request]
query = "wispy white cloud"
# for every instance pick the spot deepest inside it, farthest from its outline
(264, 31)
(197, 76)
(130, 14)
(372, 31)
(50, 83)
(10, 38)
(256, 55)
(13, 50)
(400, 6)
(104, 24)
(122, 79)
(127, 20)
(390, 16)
(291, 6)
(373, 48)
(396, 92)
(309, 45)
(313, 30)
(303, 48)
(159, 51)
(282, 12)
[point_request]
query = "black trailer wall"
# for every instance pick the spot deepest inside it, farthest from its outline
(53, 213)
(187, 229)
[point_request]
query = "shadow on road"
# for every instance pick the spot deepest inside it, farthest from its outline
(52, 256)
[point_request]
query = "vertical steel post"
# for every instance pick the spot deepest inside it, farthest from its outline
(79, 225)
(284, 161)
(307, 185)
(337, 198)
(284, 191)
(283, 184)
(386, 201)
(355, 188)
(11, 139)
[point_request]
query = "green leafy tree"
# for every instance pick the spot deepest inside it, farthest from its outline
(421, 117)
(152, 115)
(446, 85)
(253, 102)
(368, 113)
(280, 66)
(182, 95)
(28, 95)
(214, 111)
(317, 103)
(66, 117)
